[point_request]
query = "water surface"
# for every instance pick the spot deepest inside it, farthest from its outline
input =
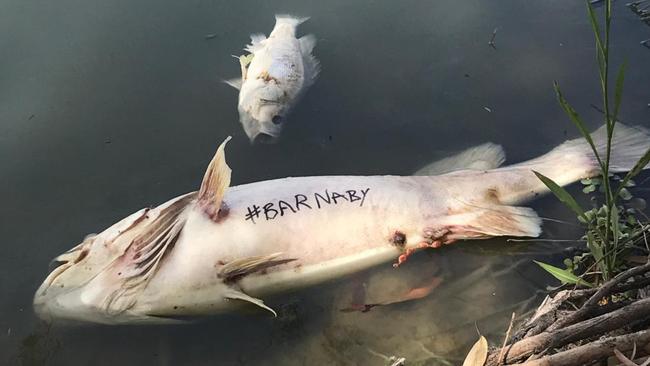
(110, 106)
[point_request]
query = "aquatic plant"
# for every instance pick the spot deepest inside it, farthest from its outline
(613, 229)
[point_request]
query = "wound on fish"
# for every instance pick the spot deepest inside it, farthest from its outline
(398, 239)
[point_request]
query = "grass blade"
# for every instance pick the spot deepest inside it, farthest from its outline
(565, 276)
(638, 167)
(562, 195)
(573, 115)
(599, 41)
(618, 92)
(594, 247)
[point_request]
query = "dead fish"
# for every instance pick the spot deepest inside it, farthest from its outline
(274, 74)
(222, 247)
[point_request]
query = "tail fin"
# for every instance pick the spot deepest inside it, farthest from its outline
(569, 162)
(485, 201)
(281, 19)
(574, 159)
(628, 145)
(482, 157)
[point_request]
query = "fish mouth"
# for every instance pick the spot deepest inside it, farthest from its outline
(60, 264)
(264, 139)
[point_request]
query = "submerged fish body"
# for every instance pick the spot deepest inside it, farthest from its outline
(274, 75)
(214, 250)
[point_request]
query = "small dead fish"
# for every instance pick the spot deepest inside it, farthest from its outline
(274, 74)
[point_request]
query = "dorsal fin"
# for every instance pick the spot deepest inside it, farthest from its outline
(215, 183)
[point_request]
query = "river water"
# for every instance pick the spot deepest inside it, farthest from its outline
(110, 106)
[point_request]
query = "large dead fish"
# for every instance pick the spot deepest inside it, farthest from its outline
(273, 76)
(210, 251)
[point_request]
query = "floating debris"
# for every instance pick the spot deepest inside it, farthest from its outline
(642, 9)
(494, 35)
(646, 43)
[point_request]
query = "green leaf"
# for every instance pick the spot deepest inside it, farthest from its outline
(625, 194)
(562, 195)
(599, 42)
(638, 167)
(614, 225)
(594, 247)
(563, 275)
(618, 92)
(588, 189)
(573, 115)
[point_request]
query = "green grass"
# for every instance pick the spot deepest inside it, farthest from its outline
(612, 227)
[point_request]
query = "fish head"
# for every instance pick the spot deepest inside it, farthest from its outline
(263, 108)
(82, 279)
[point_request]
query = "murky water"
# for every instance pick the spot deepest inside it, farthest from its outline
(110, 106)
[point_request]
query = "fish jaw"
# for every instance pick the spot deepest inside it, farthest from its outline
(262, 109)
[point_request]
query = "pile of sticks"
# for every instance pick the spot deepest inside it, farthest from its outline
(586, 326)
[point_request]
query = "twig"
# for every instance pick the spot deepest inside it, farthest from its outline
(604, 291)
(506, 338)
(624, 360)
(585, 329)
(592, 351)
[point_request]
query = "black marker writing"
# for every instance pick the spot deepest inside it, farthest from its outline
(253, 213)
(300, 200)
(269, 208)
(316, 200)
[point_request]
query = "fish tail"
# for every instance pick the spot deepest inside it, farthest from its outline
(569, 162)
(290, 20)
(574, 159)
(485, 202)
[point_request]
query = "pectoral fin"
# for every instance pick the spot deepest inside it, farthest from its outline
(234, 82)
(234, 294)
(257, 41)
(215, 183)
(241, 267)
(312, 66)
(488, 221)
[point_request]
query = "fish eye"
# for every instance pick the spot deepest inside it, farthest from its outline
(277, 119)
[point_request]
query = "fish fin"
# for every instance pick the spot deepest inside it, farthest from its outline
(141, 259)
(234, 294)
(215, 182)
(574, 159)
(482, 157)
(289, 19)
(629, 143)
(257, 42)
(493, 220)
(234, 82)
(241, 267)
(307, 44)
(311, 64)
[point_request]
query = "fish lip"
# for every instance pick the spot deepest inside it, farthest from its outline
(264, 139)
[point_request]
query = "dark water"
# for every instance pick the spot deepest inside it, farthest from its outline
(110, 106)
